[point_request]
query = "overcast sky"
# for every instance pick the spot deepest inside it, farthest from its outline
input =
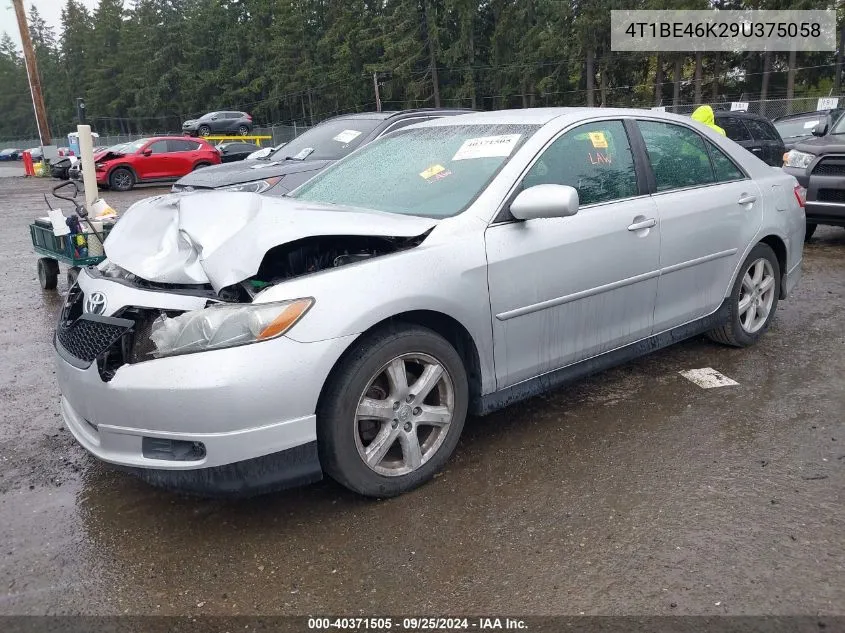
(50, 10)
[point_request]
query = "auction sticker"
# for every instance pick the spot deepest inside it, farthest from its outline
(432, 171)
(598, 140)
(347, 136)
(487, 147)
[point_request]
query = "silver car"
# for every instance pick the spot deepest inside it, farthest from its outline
(233, 343)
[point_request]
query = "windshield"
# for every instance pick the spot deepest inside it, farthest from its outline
(433, 171)
(799, 126)
(839, 128)
(330, 140)
(120, 148)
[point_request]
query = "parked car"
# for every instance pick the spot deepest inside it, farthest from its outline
(458, 265)
(802, 126)
(307, 154)
(36, 153)
(231, 152)
(64, 152)
(755, 133)
(74, 168)
(224, 122)
(60, 167)
(156, 159)
(819, 165)
(11, 154)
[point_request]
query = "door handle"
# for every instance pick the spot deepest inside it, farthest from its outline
(643, 224)
(746, 198)
(756, 150)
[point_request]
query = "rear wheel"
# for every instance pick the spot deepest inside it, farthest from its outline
(48, 273)
(393, 411)
(200, 166)
(811, 228)
(243, 130)
(121, 179)
(753, 301)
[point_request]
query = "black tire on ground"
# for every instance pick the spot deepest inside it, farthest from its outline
(48, 273)
(121, 179)
(204, 130)
(811, 228)
(72, 274)
(732, 333)
(243, 130)
(200, 166)
(336, 412)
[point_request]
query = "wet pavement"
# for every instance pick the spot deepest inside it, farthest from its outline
(633, 492)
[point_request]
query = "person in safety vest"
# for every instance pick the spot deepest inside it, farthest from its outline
(704, 114)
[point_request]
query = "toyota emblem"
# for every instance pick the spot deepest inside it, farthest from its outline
(95, 303)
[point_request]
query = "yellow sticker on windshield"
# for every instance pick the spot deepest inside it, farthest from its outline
(432, 171)
(598, 140)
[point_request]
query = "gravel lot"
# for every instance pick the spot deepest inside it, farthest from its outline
(633, 492)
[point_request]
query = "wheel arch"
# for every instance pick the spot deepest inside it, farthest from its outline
(124, 166)
(779, 247)
(446, 326)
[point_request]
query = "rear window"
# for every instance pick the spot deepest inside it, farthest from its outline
(762, 130)
(329, 140)
(734, 128)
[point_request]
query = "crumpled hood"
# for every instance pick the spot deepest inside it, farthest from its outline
(246, 171)
(221, 237)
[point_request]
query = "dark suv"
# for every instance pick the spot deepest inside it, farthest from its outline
(310, 152)
(819, 165)
(226, 122)
(802, 126)
(755, 133)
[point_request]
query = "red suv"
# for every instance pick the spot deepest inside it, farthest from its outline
(156, 159)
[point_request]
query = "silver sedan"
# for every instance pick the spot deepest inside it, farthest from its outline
(233, 343)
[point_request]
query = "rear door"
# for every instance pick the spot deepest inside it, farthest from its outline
(736, 130)
(709, 212)
(183, 155)
(769, 139)
(154, 165)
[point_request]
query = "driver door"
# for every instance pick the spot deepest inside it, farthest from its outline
(565, 289)
(154, 165)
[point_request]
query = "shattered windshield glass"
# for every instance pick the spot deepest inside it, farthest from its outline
(431, 171)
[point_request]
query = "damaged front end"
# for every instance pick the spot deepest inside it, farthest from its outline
(204, 268)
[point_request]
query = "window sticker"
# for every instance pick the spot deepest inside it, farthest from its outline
(810, 124)
(487, 147)
(432, 171)
(598, 140)
(347, 136)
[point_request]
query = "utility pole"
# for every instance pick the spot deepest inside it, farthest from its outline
(32, 74)
(375, 85)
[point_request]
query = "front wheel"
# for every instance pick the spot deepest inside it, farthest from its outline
(393, 411)
(48, 273)
(753, 300)
(204, 130)
(121, 179)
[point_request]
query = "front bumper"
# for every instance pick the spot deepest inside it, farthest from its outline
(241, 404)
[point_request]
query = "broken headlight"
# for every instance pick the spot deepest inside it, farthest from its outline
(254, 186)
(225, 325)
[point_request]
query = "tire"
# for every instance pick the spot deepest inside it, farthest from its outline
(243, 130)
(200, 166)
(742, 329)
(204, 130)
(344, 438)
(811, 229)
(121, 179)
(48, 273)
(72, 274)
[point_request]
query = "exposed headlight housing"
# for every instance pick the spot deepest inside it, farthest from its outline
(225, 325)
(254, 186)
(801, 160)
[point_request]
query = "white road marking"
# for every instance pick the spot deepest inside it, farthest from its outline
(707, 378)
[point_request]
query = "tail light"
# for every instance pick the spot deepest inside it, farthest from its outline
(800, 195)
(249, 117)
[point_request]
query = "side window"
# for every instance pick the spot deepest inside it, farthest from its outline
(175, 145)
(726, 170)
(734, 128)
(595, 158)
(677, 154)
(761, 130)
(159, 147)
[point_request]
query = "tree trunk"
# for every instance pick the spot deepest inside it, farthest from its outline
(472, 62)
(840, 52)
(589, 75)
(658, 81)
(790, 80)
(603, 82)
(714, 86)
(698, 62)
(432, 55)
(764, 84)
(676, 88)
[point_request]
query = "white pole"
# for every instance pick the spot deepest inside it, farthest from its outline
(86, 156)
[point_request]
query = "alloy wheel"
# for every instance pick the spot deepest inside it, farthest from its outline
(756, 295)
(404, 414)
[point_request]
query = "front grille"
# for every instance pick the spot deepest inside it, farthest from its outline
(831, 195)
(90, 336)
(829, 168)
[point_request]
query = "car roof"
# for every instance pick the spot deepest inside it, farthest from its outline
(810, 113)
(384, 115)
(739, 115)
(541, 116)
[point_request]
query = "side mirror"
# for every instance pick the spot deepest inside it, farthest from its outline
(820, 129)
(147, 152)
(545, 201)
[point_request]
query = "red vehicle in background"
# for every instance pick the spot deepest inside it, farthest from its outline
(156, 159)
